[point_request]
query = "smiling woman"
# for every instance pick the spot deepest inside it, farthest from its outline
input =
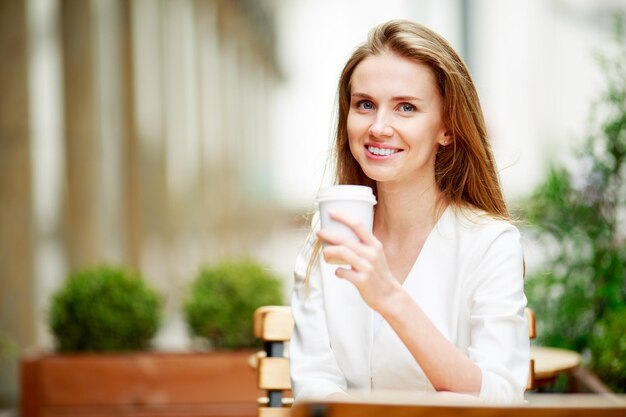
(432, 297)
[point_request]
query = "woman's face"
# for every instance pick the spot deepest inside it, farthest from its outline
(394, 122)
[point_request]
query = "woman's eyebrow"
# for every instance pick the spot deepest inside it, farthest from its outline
(362, 95)
(395, 98)
(407, 98)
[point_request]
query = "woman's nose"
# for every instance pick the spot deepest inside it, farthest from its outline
(380, 127)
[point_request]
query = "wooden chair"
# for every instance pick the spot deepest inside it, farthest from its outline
(532, 334)
(274, 325)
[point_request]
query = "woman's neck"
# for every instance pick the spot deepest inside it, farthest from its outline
(404, 209)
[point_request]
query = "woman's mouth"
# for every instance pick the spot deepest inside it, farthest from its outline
(380, 152)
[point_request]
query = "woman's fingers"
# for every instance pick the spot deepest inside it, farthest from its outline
(332, 237)
(348, 274)
(356, 226)
(335, 238)
(339, 254)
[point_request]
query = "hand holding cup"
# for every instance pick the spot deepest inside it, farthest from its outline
(356, 201)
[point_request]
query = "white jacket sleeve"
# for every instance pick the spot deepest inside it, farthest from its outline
(314, 370)
(499, 331)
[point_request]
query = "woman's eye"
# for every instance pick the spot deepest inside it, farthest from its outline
(365, 105)
(406, 107)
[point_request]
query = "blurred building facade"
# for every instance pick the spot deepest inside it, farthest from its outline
(131, 132)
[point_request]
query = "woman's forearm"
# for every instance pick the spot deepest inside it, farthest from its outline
(447, 368)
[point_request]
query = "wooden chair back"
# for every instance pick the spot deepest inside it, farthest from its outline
(532, 334)
(273, 325)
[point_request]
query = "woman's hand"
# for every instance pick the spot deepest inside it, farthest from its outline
(369, 271)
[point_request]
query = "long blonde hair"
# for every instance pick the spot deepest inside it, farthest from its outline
(465, 170)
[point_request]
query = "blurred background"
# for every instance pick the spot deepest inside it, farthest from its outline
(168, 134)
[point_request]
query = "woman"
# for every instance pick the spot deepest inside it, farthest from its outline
(433, 297)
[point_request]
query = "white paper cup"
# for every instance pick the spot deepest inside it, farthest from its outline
(356, 201)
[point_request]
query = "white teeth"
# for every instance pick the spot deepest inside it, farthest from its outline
(381, 151)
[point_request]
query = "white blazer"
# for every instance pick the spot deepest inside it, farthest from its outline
(468, 279)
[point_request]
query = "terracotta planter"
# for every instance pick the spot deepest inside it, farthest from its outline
(141, 384)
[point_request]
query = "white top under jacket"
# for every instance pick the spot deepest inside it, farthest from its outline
(468, 279)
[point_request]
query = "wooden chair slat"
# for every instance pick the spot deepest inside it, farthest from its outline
(273, 374)
(274, 412)
(273, 323)
(530, 318)
(531, 376)
(532, 334)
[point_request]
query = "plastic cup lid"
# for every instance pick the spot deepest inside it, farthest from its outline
(347, 192)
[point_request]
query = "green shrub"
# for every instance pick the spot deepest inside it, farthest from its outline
(104, 309)
(8, 348)
(223, 299)
(577, 216)
(608, 346)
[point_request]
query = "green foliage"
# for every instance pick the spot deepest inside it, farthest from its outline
(104, 309)
(223, 300)
(609, 346)
(8, 348)
(577, 219)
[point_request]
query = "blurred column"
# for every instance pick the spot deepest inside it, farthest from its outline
(106, 192)
(16, 224)
(467, 30)
(249, 138)
(118, 191)
(148, 91)
(261, 101)
(211, 110)
(228, 184)
(181, 112)
(47, 155)
(131, 160)
(182, 136)
(81, 132)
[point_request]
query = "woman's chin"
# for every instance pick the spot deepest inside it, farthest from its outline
(378, 176)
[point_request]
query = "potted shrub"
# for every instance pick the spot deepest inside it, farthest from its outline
(223, 299)
(104, 309)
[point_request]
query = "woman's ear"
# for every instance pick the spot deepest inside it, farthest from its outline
(445, 138)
